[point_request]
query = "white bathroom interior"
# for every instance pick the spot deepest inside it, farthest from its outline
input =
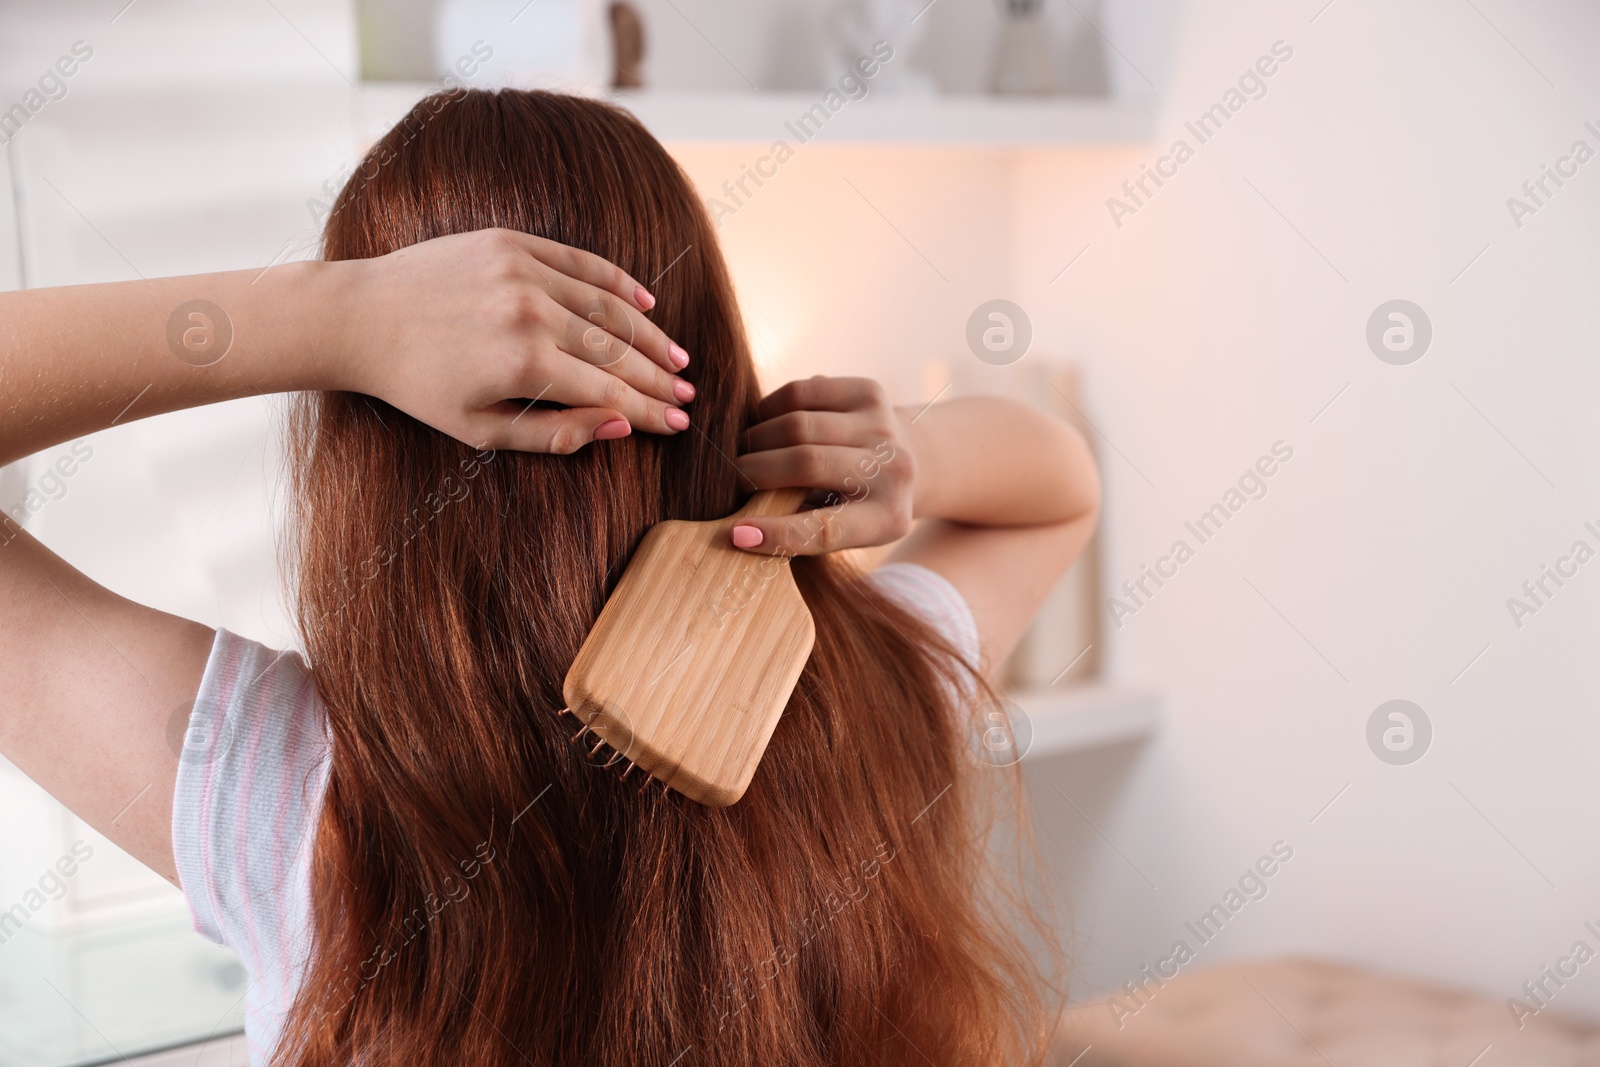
(1175, 733)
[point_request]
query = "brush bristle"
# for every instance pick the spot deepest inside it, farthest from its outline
(628, 765)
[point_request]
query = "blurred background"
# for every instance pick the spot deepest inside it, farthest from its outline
(1299, 269)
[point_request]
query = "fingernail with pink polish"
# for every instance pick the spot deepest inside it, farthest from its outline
(642, 296)
(683, 391)
(680, 358)
(677, 420)
(747, 536)
(610, 431)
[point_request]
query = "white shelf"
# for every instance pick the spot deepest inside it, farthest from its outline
(1088, 717)
(147, 985)
(223, 1052)
(761, 117)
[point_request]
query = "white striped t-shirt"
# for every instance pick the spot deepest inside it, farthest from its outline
(250, 787)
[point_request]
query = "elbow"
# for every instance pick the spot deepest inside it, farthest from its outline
(1089, 518)
(1080, 490)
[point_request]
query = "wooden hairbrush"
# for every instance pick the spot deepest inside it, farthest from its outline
(693, 658)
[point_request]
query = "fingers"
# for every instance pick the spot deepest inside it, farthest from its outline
(822, 394)
(601, 312)
(602, 350)
(834, 435)
(835, 467)
(811, 533)
(599, 291)
(580, 385)
(547, 430)
(815, 428)
(584, 266)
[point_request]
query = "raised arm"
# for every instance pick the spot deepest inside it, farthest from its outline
(453, 331)
(1003, 496)
(539, 320)
(1012, 497)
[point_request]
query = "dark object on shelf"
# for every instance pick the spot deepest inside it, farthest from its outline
(1022, 63)
(627, 38)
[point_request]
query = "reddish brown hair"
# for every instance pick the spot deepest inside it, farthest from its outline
(483, 893)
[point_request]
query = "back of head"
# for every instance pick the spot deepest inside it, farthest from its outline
(485, 894)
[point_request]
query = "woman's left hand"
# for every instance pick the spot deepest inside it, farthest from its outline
(463, 332)
(842, 437)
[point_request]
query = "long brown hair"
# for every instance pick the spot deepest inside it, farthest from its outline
(482, 892)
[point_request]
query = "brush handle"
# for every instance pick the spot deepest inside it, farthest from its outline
(773, 502)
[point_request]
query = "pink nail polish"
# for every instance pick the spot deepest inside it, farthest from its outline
(747, 536)
(643, 297)
(677, 420)
(683, 391)
(610, 431)
(679, 357)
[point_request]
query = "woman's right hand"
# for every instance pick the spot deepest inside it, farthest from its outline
(462, 332)
(839, 436)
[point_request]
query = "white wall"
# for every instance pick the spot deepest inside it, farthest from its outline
(189, 141)
(1210, 329)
